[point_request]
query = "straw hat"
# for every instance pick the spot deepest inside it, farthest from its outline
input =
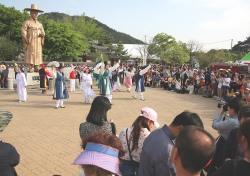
(33, 8)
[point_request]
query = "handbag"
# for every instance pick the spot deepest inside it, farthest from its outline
(134, 164)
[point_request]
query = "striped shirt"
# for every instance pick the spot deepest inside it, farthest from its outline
(224, 127)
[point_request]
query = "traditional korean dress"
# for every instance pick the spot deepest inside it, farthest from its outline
(21, 87)
(86, 87)
(105, 81)
(61, 89)
(128, 82)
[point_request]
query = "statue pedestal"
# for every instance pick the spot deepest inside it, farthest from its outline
(10, 83)
(33, 79)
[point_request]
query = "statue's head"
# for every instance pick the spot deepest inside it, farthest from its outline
(34, 15)
(34, 11)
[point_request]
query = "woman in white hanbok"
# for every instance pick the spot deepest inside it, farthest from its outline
(86, 85)
(21, 86)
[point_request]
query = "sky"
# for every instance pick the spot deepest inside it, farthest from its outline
(212, 23)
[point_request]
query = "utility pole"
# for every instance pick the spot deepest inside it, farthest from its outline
(144, 54)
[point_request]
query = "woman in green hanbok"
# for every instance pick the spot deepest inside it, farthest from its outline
(104, 77)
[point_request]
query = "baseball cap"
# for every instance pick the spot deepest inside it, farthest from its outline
(102, 156)
(150, 114)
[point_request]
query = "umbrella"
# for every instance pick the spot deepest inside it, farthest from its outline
(55, 63)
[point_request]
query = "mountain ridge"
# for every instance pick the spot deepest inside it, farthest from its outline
(117, 37)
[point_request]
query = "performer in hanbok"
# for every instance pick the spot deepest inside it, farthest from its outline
(43, 79)
(72, 77)
(53, 72)
(105, 79)
(139, 81)
(61, 92)
(117, 79)
(129, 75)
(86, 85)
(21, 85)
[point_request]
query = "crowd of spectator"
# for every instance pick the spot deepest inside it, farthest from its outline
(220, 84)
(183, 147)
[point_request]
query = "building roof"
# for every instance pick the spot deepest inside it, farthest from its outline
(137, 50)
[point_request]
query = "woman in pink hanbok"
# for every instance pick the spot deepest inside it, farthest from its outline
(129, 76)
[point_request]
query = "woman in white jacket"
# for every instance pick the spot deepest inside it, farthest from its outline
(86, 85)
(21, 86)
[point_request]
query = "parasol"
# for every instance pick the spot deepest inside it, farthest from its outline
(55, 63)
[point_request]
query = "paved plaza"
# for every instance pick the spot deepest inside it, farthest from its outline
(48, 140)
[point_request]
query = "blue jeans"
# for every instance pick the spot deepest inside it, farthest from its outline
(224, 92)
(129, 168)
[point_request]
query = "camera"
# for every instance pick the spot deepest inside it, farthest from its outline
(224, 105)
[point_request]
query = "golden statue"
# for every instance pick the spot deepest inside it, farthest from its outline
(33, 39)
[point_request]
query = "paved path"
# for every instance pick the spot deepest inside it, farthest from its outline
(48, 139)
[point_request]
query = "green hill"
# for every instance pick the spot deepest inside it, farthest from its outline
(116, 37)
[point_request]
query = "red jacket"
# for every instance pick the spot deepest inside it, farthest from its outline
(72, 74)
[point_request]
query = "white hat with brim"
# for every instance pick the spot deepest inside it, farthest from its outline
(101, 156)
(33, 8)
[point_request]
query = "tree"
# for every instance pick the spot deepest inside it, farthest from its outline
(62, 42)
(10, 23)
(144, 52)
(242, 46)
(168, 49)
(193, 47)
(8, 49)
(120, 51)
(88, 28)
(213, 56)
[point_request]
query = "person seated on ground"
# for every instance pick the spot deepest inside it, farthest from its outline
(155, 156)
(171, 83)
(224, 127)
(177, 86)
(97, 120)
(156, 79)
(232, 148)
(208, 92)
(190, 88)
(239, 167)
(193, 150)
(183, 89)
(132, 139)
(164, 83)
(101, 155)
(148, 80)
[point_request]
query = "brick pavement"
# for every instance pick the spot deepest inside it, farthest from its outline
(47, 139)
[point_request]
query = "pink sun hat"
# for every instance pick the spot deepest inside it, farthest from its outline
(150, 114)
(102, 156)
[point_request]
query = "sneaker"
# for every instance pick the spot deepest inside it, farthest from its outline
(19, 101)
(62, 106)
(134, 97)
(143, 99)
(56, 107)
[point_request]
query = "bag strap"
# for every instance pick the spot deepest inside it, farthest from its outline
(128, 145)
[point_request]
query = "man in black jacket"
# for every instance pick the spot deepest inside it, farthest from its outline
(9, 158)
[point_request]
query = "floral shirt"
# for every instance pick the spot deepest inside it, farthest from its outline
(88, 128)
(136, 154)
